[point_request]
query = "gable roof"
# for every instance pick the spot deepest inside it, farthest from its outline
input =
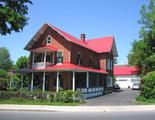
(106, 43)
(122, 70)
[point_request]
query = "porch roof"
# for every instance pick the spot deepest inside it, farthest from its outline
(45, 48)
(69, 67)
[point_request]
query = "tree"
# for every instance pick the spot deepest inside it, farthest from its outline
(4, 80)
(143, 50)
(13, 15)
(5, 60)
(22, 62)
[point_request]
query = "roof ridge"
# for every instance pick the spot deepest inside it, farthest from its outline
(100, 37)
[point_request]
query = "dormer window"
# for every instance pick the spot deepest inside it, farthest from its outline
(48, 40)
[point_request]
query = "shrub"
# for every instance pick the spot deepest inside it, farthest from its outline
(68, 96)
(78, 97)
(148, 86)
(59, 96)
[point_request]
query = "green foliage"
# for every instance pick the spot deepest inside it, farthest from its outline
(69, 96)
(143, 50)
(13, 15)
(143, 101)
(65, 96)
(22, 62)
(59, 96)
(4, 80)
(148, 86)
(5, 60)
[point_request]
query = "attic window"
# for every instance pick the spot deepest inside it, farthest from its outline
(48, 40)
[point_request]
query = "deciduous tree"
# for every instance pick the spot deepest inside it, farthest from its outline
(13, 15)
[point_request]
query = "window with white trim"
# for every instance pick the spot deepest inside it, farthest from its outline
(59, 57)
(50, 57)
(109, 81)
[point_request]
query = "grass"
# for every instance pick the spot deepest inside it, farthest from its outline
(36, 102)
(140, 100)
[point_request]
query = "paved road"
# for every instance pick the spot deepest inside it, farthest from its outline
(124, 97)
(77, 115)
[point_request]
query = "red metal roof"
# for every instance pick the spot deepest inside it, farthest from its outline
(68, 67)
(72, 38)
(101, 44)
(98, 45)
(45, 47)
(122, 70)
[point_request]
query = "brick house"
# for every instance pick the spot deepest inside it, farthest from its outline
(60, 60)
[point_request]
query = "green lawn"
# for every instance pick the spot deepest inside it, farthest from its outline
(36, 102)
(140, 100)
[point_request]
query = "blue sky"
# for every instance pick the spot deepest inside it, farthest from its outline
(95, 18)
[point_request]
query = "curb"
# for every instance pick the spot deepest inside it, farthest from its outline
(77, 108)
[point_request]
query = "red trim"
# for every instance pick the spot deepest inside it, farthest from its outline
(45, 47)
(69, 66)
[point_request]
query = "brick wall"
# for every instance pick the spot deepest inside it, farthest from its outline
(85, 54)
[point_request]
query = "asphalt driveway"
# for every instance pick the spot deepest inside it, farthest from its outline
(124, 97)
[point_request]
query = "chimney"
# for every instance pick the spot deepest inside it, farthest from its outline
(82, 36)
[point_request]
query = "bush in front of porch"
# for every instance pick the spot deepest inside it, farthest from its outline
(63, 97)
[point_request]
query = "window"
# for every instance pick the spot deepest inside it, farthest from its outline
(109, 64)
(48, 40)
(109, 81)
(79, 60)
(49, 57)
(37, 57)
(59, 57)
(90, 62)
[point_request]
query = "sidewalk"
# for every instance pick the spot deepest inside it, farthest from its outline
(6, 107)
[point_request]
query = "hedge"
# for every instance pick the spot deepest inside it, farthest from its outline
(66, 96)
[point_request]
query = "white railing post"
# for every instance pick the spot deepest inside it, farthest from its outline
(87, 80)
(45, 59)
(32, 58)
(73, 86)
(57, 86)
(32, 82)
(44, 79)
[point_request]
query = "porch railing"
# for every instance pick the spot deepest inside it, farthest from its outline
(41, 65)
(94, 89)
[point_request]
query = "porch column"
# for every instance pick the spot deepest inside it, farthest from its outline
(57, 87)
(73, 86)
(87, 80)
(32, 58)
(44, 79)
(32, 82)
(45, 59)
